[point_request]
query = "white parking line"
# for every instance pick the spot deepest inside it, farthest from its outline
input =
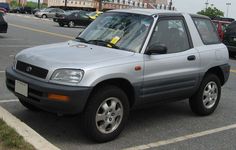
(2, 71)
(181, 138)
(9, 100)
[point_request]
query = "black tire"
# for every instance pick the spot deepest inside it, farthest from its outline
(61, 24)
(196, 101)
(95, 102)
(29, 106)
(44, 16)
(232, 54)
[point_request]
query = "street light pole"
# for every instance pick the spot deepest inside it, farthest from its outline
(207, 3)
(228, 4)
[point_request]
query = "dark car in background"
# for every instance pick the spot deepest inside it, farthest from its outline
(3, 24)
(73, 18)
(230, 38)
(22, 10)
(48, 12)
(221, 27)
(6, 6)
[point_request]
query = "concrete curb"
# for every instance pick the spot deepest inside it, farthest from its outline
(26, 132)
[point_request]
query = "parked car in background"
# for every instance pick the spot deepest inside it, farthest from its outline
(3, 24)
(5, 6)
(48, 12)
(230, 38)
(22, 10)
(3, 10)
(35, 10)
(221, 27)
(94, 15)
(73, 18)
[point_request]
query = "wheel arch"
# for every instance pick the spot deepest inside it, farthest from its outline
(218, 71)
(122, 83)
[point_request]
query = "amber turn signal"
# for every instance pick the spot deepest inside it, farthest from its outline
(57, 97)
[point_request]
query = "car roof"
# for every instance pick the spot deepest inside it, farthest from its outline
(151, 12)
(143, 11)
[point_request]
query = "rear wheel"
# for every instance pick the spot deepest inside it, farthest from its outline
(28, 105)
(44, 16)
(71, 24)
(205, 101)
(106, 114)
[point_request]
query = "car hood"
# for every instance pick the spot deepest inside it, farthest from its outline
(69, 54)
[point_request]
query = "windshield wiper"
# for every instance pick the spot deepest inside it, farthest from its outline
(103, 43)
(80, 39)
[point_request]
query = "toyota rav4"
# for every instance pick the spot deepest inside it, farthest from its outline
(124, 59)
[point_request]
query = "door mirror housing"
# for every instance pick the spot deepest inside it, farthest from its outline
(156, 49)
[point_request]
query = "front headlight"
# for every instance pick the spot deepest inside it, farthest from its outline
(67, 76)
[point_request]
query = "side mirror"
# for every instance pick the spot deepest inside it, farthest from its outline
(156, 49)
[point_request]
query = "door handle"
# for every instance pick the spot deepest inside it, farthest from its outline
(191, 57)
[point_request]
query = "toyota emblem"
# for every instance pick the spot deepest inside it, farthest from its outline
(28, 69)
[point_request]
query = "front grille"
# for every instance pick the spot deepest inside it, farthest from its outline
(31, 69)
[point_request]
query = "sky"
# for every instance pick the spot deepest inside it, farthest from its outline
(193, 6)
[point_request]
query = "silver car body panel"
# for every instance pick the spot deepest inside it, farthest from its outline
(101, 63)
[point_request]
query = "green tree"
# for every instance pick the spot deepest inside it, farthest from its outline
(211, 12)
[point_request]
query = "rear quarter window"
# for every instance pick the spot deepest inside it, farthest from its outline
(207, 31)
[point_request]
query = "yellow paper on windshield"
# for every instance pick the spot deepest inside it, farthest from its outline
(115, 39)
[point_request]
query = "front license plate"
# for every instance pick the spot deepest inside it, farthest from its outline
(21, 88)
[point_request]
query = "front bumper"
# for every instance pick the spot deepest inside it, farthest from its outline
(38, 94)
(3, 28)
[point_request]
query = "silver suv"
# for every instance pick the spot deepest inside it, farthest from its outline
(124, 59)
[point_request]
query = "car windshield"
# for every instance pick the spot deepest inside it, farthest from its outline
(122, 31)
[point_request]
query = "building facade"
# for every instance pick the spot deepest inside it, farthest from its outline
(111, 4)
(5, 1)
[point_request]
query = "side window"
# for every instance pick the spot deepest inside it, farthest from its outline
(206, 30)
(172, 34)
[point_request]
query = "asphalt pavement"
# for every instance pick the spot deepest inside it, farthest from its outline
(149, 125)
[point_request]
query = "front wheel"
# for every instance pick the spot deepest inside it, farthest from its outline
(71, 24)
(205, 101)
(106, 114)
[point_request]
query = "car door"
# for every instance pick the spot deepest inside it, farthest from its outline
(174, 74)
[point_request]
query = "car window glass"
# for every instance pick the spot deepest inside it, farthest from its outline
(206, 30)
(172, 34)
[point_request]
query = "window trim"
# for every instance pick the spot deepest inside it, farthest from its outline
(176, 17)
(207, 43)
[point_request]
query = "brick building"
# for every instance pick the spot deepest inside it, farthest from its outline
(110, 4)
(5, 1)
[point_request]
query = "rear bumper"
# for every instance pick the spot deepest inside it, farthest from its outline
(38, 94)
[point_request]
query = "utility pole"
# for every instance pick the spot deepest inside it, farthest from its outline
(38, 4)
(170, 4)
(65, 4)
(207, 3)
(100, 5)
(228, 4)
